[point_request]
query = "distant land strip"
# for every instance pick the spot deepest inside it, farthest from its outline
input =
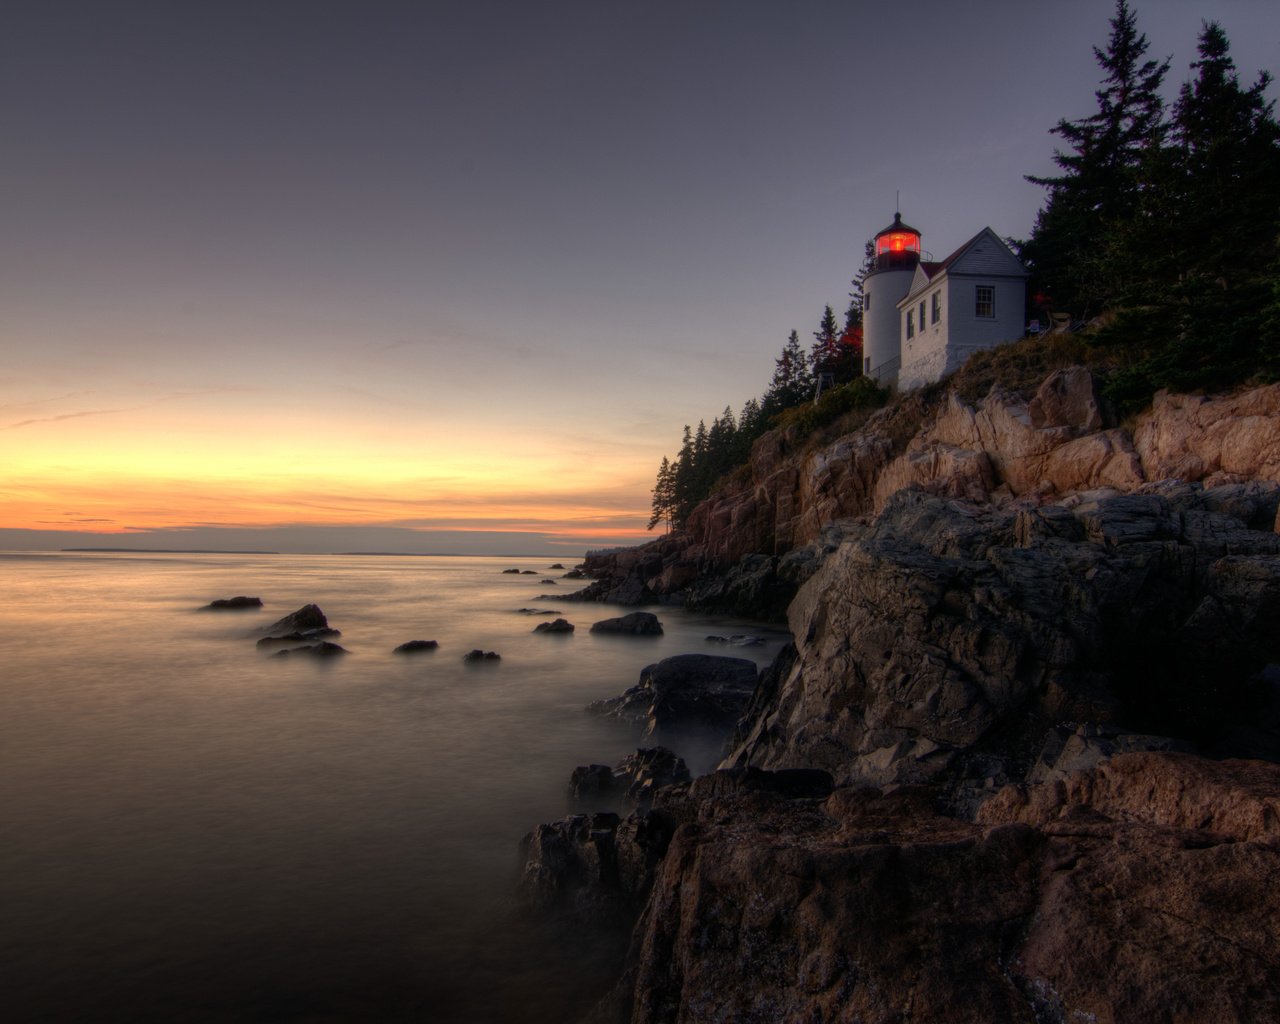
(169, 551)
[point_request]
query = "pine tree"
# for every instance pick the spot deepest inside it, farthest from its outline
(664, 495)
(826, 340)
(1200, 259)
(792, 381)
(1097, 195)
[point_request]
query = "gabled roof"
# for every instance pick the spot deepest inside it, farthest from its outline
(928, 273)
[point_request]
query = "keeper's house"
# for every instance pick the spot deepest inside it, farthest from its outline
(922, 319)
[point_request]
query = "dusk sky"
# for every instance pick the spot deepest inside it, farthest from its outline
(318, 272)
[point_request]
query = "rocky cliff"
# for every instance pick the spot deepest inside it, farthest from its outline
(1020, 762)
(749, 546)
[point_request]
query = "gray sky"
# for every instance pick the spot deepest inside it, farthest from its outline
(521, 241)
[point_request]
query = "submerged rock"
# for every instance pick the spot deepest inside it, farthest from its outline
(308, 617)
(324, 649)
(700, 692)
(634, 624)
(416, 646)
(477, 655)
(303, 637)
(558, 626)
(234, 603)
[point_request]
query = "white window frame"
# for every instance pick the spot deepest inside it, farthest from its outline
(990, 304)
(911, 323)
(936, 312)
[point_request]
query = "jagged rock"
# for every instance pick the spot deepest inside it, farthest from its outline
(558, 626)
(1194, 437)
(634, 624)
(305, 636)
(324, 649)
(852, 908)
(738, 640)
(308, 617)
(574, 574)
(591, 782)
(416, 646)
(476, 656)
(687, 692)
(1084, 747)
(949, 639)
(234, 603)
(636, 778)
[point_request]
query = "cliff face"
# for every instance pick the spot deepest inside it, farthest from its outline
(1022, 761)
(1001, 449)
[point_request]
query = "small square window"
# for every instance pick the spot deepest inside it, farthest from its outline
(936, 316)
(911, 323)
(984, 301)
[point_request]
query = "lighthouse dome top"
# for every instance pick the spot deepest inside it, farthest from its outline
(897, 246)
(898, 226)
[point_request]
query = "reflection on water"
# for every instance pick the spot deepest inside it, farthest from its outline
(195, 831)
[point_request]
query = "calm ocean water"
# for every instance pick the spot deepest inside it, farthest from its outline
(193, 831)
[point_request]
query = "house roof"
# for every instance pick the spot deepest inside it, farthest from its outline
(928, 272)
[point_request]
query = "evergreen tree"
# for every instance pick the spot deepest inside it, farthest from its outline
(1098, 192)
(1201, 258)
(826, 341)
(664, 495)
(792, 381)
(751, 424)
(684, 484)
(857, 296)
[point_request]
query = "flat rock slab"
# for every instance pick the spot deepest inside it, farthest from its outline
(233, 603)
(634, 624)
(416, 646)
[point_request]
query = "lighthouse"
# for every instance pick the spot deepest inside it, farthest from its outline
(897, 254)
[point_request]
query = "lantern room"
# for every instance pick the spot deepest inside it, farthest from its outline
(897, 246)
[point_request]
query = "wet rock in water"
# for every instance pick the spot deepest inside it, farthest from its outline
(416, 646)
(511, 572)
(551, 582)
(592, 782)
(574, 574)
(738, 640)
(555, 565)
(558, 626)
(308, 617)
(636, 777)
(477, 655)
(538, 611)
(634, 624)
(528, 572)
(324, 649)
(233, 603)
(303, 637)
(690, 691)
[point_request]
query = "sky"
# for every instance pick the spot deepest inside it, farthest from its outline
(452, 275)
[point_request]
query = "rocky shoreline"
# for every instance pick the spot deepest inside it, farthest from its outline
(1020, 763)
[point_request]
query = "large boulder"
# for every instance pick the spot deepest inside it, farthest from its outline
(634, 624)
(306, 619)
(946, 640)
(852, 907)
(558, 626)
(690, 692)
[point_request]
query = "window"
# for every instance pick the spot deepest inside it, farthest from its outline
(922, 314)
(866, 302)
(984, 301)
(866, 366)
(937, 308)
(911, 323)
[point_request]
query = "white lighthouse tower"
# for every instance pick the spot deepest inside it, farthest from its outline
(897, 254)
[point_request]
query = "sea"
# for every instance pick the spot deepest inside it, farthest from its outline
(192, 830)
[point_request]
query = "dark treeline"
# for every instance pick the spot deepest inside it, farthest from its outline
(708, 453)
(1163, 227)
(1165, 219)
